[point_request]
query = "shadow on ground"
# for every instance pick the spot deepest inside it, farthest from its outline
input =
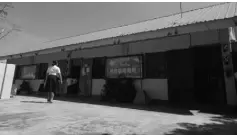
(96, 101)
(222, 125)
(61, 133)
(33, 102)
(165, 107)
(98, 134)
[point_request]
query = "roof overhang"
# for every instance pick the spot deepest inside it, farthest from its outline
(180, 30)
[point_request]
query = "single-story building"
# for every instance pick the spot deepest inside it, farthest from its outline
(188, 58)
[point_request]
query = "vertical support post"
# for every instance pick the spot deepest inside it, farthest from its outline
(228, 67)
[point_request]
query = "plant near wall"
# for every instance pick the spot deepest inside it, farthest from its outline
(110, 90)
(104, 92)
(119, 89)
(25, 87)
(126, 90)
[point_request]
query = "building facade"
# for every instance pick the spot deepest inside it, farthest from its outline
(171, 58)
(180, 68)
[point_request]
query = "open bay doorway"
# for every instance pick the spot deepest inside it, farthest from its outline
(196, 76)
(209, 75)
(85, 82)
(180, 76)
(73, 81)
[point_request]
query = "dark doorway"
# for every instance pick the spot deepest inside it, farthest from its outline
(180, 75)
(75, 67)
(209, 75)
(196, 75)
(85, 82)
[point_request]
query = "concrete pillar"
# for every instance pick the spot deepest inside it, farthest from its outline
(228, 67)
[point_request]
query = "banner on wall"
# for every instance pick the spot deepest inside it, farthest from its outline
(28, 72)
(128, 67)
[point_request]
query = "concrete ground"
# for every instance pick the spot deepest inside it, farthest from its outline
(23, 115)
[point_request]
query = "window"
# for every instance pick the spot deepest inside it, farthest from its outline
(98, 68)
(28, 72)
(155, 65)
(124, 67)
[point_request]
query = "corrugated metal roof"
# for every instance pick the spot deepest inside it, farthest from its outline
(216, 12)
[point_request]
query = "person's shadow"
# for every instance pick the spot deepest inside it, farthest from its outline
(33, 102)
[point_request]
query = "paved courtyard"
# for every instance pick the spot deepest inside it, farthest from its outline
(32, 116)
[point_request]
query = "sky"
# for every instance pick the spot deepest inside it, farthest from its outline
(57, 20)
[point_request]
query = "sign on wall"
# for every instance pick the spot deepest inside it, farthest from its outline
(128, 67)
(28, 72)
